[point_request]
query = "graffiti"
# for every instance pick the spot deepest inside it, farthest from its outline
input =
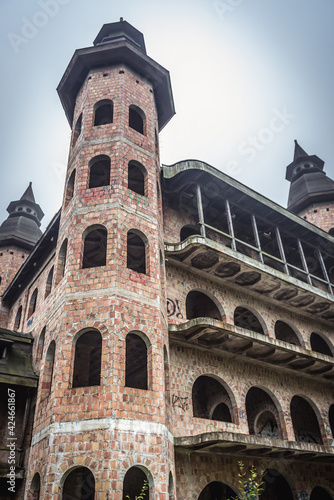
(304, 438)
(174, 309)
(180, 402)
(242, 413)
(269, 430)
(303, 495)
(212, 425)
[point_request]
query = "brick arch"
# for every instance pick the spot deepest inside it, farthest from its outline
(206, 289)
(256, 314)
(293, 327)
(317, 413)
(277, 471)
(325, 339)
(209, 478)
(69, 465)
(211, 296)
(146, 466)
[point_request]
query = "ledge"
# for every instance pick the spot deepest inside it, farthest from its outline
(220, 336)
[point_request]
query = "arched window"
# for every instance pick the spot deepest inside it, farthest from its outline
(95, 247)
(331, 418)
(87, 360)
(48, 286)
(246, 319)
(62, 260)
(136, 177)
(136, 362)
(318, 344)
(319, 493)
(305, 422)
(211, 400)
(17, 322)
(136, 252)
(70, 188)
(275, 486)
(136, 119)
(137, 480)
(79, 484)
(104, 111)
(48, 370)
(40, 346)
(284, 332)
(216, 489)
(199, 305)
(262, 414)
(189, 230)
(32, 303)
(35, 487)
(77, 129)
(99, 171)
(170, 486)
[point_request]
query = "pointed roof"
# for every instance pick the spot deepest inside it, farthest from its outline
(299, 152)
(21, 228)
(314, 163)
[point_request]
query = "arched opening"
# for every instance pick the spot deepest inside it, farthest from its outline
(217, 491)
(70, 188)
(246, 319)
(284, 332)
(35, 487)
(136, 252)
(104, 111)
(262, 414)
(275, 486)
(77, 129)
(99, 171)
(166, 383)
(40, 346)
(87, 360)
(136, 119)
(62, 260)
(199, 305)
(305, 422)
(95, 247)
(136, 362)
(17, 322)
(48, 370)
(79, 485)
(331, 418)
(189, 230)
(32, 303)
(136, 177)
(318, 344)
(137, 482)
(48, 286)
(211, 400)
(170, 486)
(319, 493)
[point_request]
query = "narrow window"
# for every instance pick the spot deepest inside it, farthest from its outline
(95, 247)
(136, 362)
(70, 188)
(49, 282)
(35, 487)
(136, 119)
(136, 177)
(40, 346)
(48, 371)
(77, 129)
(99, 171)
(136, 253)
(79, 484)
(87, 360)
(62, 260)
(17, 322)
(104, 111)
(32, 303)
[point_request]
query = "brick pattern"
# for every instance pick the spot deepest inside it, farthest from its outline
(320, 214)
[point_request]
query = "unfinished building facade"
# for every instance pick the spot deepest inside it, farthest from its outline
(170, 322)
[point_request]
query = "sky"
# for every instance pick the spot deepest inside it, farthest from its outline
(248, 77)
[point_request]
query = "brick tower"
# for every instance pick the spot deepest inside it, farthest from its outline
(102, 412)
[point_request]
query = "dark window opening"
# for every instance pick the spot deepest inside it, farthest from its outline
(189, 230)
(104, 111)
(17, 322)
(211, 400)
(284, 332)
(32, 303)
(136, 119)
(48, 286)
(319, 493)
(136, 362)
(95, 248)
(136, 177)
(318, 344)
(134, 480)
(62, 260)
(246, 319)
(331, 418)
(99, 171)
(262, 414)
(136, 253)
(35, 487)
(275, 486)
(70, 188)
(199, 305)
(77, 129)
(305, 422)
(217, 490)
(40, 346)
(79, 485)
(48, 371)
(87, 360)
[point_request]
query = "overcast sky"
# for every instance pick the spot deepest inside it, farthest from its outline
(248, 77)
